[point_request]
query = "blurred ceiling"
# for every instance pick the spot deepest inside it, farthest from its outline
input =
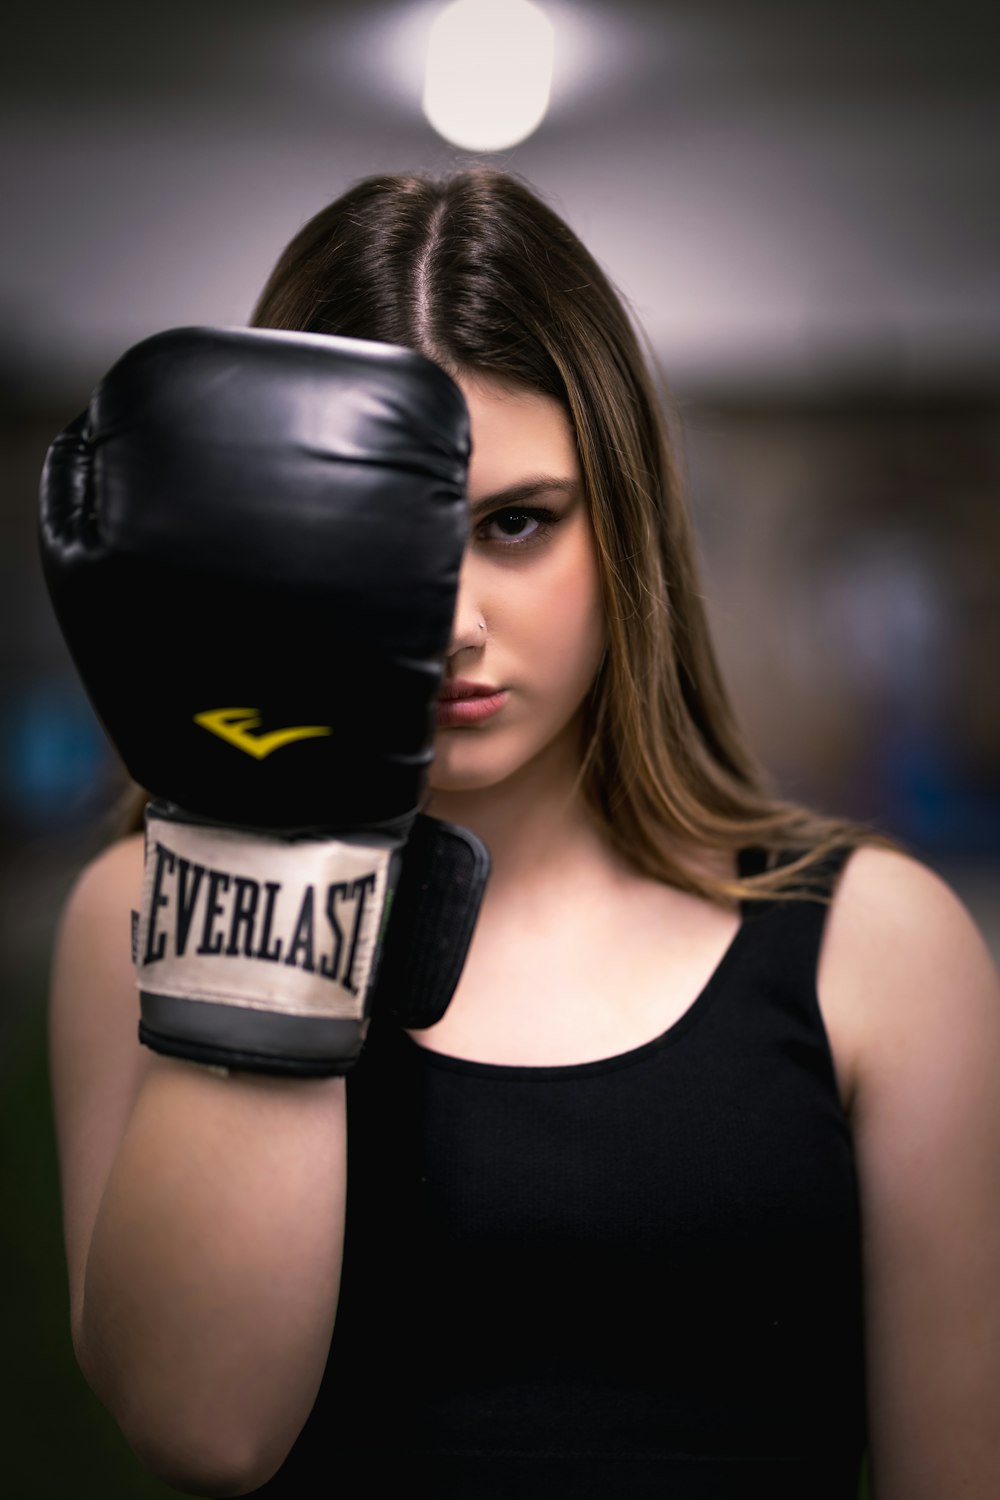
(788, 193)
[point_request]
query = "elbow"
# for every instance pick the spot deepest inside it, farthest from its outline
(197, 1452)
(199, 1467)
(200, 1458)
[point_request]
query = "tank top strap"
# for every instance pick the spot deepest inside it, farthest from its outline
(821, 876)
(781, 937)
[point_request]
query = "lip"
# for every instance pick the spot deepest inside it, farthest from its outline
(470, 709)
(461, 687)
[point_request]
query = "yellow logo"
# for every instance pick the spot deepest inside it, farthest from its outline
(234, 725)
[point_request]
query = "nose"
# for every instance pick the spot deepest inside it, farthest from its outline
(468, 622)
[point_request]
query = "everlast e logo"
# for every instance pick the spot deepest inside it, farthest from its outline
(197, 909)
(234, 725)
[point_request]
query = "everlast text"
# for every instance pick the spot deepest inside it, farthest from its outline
(196, 908)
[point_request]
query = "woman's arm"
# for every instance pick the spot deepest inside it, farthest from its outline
(203, 1217)
(925, 995)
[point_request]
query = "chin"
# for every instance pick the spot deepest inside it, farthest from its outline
(462, 781)
(473, 770)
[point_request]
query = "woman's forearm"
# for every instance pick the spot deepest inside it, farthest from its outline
(213, 1271)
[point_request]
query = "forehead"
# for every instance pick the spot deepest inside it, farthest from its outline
(515, 435)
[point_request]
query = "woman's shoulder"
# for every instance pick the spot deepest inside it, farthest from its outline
(92, 954)
(905, 961)
(891, 914)
(101, 896)
(92, 982)
(96, 1063)
(902, 962)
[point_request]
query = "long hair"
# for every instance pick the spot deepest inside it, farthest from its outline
(475, 271)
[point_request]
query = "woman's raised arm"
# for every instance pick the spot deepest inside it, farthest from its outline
(203, 1217)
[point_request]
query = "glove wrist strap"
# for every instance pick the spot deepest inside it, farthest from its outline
(236, 919)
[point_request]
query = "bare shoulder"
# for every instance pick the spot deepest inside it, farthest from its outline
(888, 895)
(93, 937)
(96, 1063)
(119, 862)
(910, 978)
(900, 953)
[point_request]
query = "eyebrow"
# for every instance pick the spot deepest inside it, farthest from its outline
(518, 494)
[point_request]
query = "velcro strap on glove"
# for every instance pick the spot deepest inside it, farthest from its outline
(445, 870)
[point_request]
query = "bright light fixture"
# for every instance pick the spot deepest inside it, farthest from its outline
(489, 72)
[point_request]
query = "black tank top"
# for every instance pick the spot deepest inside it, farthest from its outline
(620, 1279)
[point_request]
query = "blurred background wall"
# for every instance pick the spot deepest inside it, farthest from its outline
(799, 200)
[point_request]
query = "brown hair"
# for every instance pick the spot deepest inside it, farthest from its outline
(475, 271)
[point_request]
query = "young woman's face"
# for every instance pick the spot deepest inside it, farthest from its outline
(529, 575)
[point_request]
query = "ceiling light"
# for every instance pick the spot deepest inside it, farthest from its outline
(489, 72)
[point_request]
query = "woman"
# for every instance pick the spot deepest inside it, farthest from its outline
(694, 1189)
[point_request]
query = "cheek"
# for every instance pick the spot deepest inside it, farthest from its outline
(571, 615)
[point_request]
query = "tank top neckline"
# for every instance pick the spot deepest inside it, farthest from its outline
(750, 861)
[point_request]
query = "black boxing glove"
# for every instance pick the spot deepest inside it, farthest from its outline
(252, 542)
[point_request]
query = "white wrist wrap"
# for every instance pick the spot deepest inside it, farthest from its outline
(265, 924)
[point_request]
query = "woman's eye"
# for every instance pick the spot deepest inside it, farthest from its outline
(520, 527)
